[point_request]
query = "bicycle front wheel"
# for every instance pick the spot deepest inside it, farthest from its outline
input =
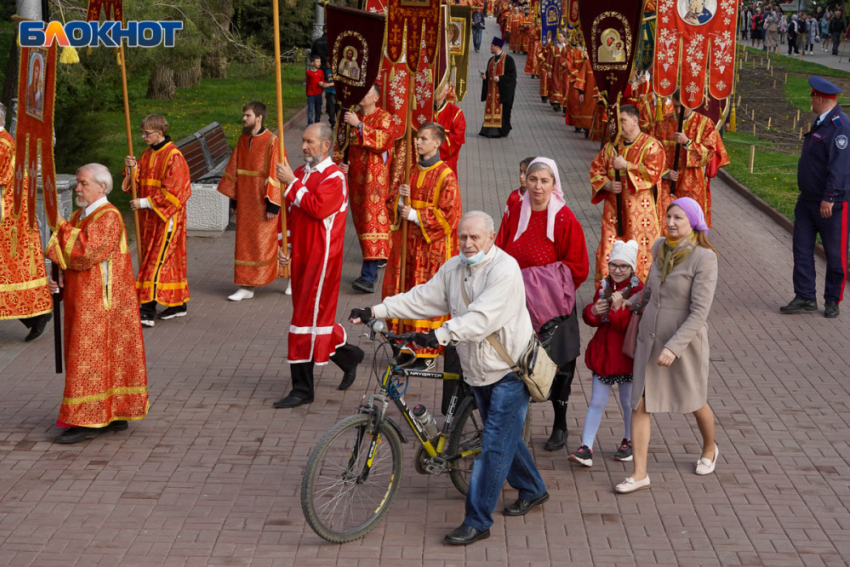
(348, 486)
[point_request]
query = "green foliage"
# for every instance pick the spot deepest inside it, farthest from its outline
(254, 18)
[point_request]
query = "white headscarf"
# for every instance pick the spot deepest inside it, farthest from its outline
(556, 202)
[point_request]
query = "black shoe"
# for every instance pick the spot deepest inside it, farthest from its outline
(76, 435)
(291, 401)
(584, 456)
(578, 129)
(172, 312)
(521, 507)
(38, 327)
(117, 425)
(543, 98)
(348, 379)
(557, 440)
(830, 310)
(362, 285)
(464, 535)
(624, 453)
(799, 304)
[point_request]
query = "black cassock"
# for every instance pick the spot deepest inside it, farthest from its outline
(507, 86)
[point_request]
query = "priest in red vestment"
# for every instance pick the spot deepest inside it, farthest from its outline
(450, 117)
(318, 195)
(251, 185)
(23, 278)
(163, 187)
(105, 374)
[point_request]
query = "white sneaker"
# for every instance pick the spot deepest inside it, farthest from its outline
(288, 288)
(631, 485)
(704, 466)
(243, 293)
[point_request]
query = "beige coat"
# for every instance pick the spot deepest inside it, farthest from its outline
(676, 318)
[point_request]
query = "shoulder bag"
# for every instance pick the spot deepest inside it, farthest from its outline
(535, 368)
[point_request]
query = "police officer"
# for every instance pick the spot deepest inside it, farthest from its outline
(823, 176)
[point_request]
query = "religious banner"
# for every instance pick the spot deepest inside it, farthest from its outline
(412, 26)
(697, 39)
(460, 40)
(423, 92)
(646, 42)
(442, 66)
(550, 17)
(716, 110)
(354, 43)
(111, 9)
(34, 133)
(571, 13)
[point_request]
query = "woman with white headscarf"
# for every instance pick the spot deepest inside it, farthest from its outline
(548, 243)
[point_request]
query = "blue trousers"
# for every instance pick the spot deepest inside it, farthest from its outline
(476, 37)
(369, 270)
(504, 455)
(314, 108)
(808, 223)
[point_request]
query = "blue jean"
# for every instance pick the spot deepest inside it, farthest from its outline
(369, 270)
(314, 108)
(476, 37)
(504, 455)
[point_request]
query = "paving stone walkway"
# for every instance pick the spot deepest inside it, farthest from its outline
(212, 477)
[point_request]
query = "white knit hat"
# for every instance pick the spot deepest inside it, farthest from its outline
(625, 252)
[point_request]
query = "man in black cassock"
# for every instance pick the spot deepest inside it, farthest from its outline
(498, 92)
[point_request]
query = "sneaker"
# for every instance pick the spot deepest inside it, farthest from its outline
(363, 286)
(242, 293)
(172, 312)
(584, 456)
(147, 320)
(288, 288)
(624, 453)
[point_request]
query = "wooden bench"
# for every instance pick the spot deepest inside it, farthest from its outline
(206, 151)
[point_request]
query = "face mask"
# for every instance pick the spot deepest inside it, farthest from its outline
(474, 260)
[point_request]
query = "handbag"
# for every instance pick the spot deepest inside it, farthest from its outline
(631, 336)
(534, 367)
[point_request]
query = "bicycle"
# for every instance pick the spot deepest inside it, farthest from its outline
(359, 462)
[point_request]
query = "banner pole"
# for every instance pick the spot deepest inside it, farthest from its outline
(281, 152)
(130, 172)
(405, 200)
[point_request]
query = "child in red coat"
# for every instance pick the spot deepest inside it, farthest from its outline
(610, 312)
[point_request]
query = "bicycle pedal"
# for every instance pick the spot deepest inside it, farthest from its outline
(436, 465)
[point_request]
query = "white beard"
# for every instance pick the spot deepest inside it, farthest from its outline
(81, 202)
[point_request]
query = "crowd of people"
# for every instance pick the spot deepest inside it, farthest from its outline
(768, 26)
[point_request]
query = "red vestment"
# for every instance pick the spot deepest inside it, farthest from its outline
(544, 59)
(435, 196)
(319, 199)
(451, 118)
(368, 179)
(526, 27)
(105, 374)
(250, 180)
(514, 22)
(645, 157)
(23, 276)
(532, 63)
(581, 112)
(162, 178)
(559, 70)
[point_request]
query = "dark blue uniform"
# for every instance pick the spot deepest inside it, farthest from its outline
(823, 174)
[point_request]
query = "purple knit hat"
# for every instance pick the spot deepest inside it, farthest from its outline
(695, 215)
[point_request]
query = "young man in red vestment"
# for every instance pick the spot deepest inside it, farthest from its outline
(105, 374)
(451, 118)
(163, 187)
(318, 195)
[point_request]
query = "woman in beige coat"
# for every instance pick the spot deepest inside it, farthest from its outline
(671, 358)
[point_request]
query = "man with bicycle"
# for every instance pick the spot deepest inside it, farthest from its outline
(496, 293)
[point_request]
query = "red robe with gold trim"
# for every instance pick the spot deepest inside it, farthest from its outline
(640, 219)
(560, 74)
(368, 180)
(319, 200)
(451, 118)
(532, 63)
(23, 276)
(162, 178)
(514, 22)
(250, 180)
(105, 373)
(544, 66)
(435, 196)
(526, 25)
(581, 113)
(692, 161)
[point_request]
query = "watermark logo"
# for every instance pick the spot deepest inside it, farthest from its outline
(94, 34)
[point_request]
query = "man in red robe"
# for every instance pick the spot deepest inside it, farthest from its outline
(450, 117)
(23, 277)
(163, 187)
(318, 195)
(254, 192)
(105, 373)
(368, 169)
(558, 81)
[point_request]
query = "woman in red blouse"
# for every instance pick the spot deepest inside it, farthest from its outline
(540, 231)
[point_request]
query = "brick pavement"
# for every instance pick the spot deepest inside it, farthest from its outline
(212, 477)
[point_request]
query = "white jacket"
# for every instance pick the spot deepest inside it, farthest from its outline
(497, 295)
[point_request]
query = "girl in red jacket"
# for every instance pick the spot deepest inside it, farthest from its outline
(610, 312)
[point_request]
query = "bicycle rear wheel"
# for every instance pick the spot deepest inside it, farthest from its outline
(341, 496)
(466, 436)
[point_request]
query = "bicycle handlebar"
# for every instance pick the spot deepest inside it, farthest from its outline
(378, 327)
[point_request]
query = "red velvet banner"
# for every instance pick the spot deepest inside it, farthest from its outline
(112, 10)
(412, 26)
(571, 14)
(34, 132)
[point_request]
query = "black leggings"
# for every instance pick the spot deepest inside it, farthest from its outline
(561, 389)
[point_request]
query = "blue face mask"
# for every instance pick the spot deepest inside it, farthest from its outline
(474, 260)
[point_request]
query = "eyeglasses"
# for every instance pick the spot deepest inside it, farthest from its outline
(619, 267)
(146, 134)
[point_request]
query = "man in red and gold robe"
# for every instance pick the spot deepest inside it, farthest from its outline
(532, 62)
(698, 143)
(163, 187)
(432, 215)
(368, 170)
(23, 278)
(582, 103)
(318, 195)
(560, 73)
(448, 115)
(514, 25)
(105, 375)
(526, 26)
(639, 160)
(251, 185)
(544, 66)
